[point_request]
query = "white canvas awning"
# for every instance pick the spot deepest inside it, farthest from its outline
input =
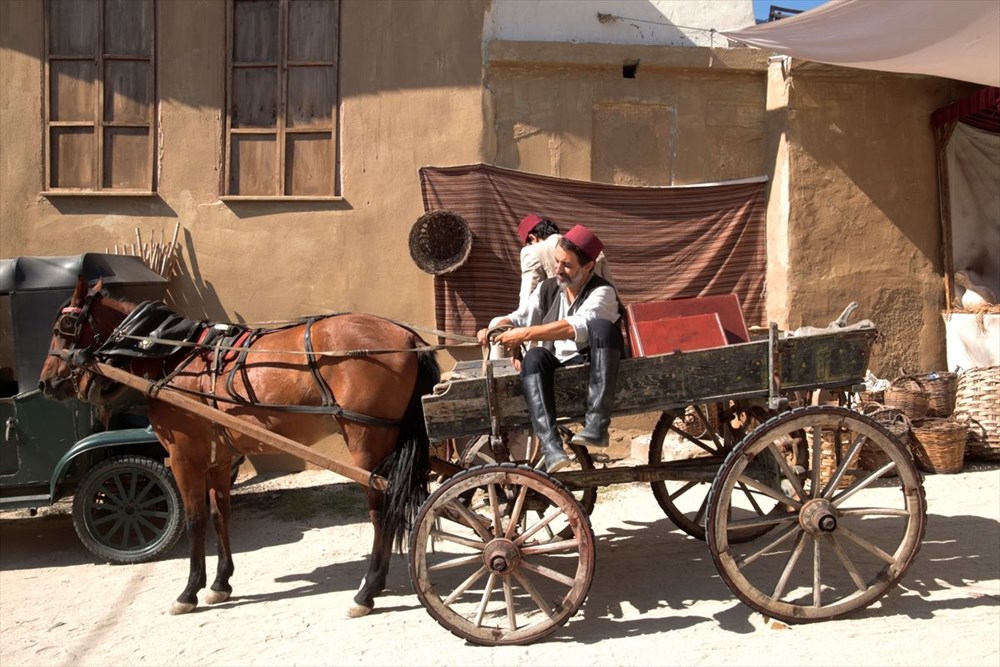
(947, 38)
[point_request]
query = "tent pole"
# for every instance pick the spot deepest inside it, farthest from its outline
(942, 133)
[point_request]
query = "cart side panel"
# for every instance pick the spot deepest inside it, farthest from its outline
(826, 360)
(644, 385)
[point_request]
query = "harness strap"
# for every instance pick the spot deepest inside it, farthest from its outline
(314, 367)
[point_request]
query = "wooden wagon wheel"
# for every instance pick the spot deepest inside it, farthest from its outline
(479, 452)
(843, 537)
(486, 576)
(685, 502)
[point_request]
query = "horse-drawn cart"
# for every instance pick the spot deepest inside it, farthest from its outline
(815, 512)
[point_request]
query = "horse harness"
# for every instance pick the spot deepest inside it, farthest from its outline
(152, 331)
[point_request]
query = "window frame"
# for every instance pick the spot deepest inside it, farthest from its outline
(280, 131)
(99, 124)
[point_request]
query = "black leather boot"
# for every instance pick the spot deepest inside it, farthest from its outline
(600, 398)
(543, 418)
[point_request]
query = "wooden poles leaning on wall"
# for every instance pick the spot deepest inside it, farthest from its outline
(158, 255)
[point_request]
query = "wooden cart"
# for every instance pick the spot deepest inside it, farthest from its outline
(816, 512)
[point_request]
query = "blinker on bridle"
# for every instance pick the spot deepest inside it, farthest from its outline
(69, 325)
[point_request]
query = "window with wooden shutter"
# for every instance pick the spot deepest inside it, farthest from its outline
(281, 125)
(100, 95)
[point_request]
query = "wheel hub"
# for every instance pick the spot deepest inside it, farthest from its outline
(818, 516)
(501, 556)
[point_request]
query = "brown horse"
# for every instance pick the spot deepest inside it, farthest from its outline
(277, 378)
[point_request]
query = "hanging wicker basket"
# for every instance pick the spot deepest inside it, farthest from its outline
(907, 393)
(941, 389)
(978, 396)
(440, 242)
(894, 421)
(938, 445)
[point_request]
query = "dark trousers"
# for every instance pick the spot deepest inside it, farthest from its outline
(603, 334)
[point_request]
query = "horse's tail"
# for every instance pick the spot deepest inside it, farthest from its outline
(408, 466)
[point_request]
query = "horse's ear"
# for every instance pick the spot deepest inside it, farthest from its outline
(80, 293)
(99, 287)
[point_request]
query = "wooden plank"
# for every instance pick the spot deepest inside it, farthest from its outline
(262, 435)
(126, 158)
(254, 159)
(661, 382)
(309, 159)
(73, 157)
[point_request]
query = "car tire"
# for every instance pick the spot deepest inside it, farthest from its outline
(127, 509)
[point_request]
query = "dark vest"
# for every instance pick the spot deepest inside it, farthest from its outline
(549, 302)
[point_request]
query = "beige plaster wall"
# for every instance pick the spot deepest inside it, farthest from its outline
(690, 115)
(411, 96)
(853, 208)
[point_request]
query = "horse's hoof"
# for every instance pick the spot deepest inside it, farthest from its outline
(217, 597)
(358, 610)
(178, 608)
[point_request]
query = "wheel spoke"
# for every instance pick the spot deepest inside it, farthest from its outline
(874, 511)
(540, 602)
(485, 600)
(779, 588)
(852, 454)
(112, 494)
(439, 534)
(459, 561)
(515, 515)
(508, 597)
(548, 573)
(472, 520)
(491, 490)
(768, 491)
(465, 585)
(749, 496)
(682, 490)
(787, 471)
(562, 546)
(554, 512)
(782, 537)
(817, 452)
(848, 564)
(865, 544)
(817, 581)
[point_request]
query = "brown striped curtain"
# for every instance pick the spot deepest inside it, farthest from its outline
(661, 242)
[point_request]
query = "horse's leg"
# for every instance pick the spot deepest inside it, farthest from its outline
(219, 500)
(189, 473)
(368, 446)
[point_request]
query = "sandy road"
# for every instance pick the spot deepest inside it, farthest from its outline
(656, 598)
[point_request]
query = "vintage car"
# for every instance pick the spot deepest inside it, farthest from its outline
(126, 507)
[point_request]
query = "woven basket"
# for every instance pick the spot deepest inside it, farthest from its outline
(978, 396)
(830, 459)
(941, 389)
(938, 445)
(907, 393)
(894, 421)
(693, 425)
(871, 396)
(440, 242)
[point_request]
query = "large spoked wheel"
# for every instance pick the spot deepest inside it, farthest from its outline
(127, 509)
(490, 577)
(685, 501)
(840, 537)
(479, 452)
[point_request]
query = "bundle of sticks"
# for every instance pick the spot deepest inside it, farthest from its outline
(158, 255)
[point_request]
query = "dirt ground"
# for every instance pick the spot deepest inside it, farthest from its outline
(301, 544)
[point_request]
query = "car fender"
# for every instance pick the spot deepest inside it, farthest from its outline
(96, 441)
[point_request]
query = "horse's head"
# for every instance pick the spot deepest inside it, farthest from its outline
(83, 324)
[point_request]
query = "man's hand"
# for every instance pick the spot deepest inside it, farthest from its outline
(483, 336)
(513, 338)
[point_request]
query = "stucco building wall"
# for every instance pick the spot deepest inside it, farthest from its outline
(409, 98)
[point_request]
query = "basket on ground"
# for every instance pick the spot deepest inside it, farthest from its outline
(908, 393)
(938, 445)
(978, 396)
(941, 388)
(440, 242)
(894, 421)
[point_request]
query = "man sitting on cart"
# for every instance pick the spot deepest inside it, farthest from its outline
(573, 316)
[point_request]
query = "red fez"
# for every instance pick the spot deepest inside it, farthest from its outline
(527, 223)
(585, 240)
